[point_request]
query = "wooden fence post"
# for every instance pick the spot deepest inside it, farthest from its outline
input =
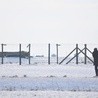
(57, 52)
(2, 53)
(19, 54)
(76, 53)
(29, 52)
(85, 58)
(49, 53)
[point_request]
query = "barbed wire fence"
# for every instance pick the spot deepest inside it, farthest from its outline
(46, 53)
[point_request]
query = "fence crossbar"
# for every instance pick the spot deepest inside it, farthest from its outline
(75, 56)
(89, 50)
(86, 56)
(67, 56)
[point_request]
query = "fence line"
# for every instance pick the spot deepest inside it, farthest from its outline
(22, 54)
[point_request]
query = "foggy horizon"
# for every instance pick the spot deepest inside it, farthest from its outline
(49, 21)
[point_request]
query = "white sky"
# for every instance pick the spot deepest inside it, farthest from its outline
(44, 21)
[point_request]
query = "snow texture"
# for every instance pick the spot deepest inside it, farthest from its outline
(48, 81)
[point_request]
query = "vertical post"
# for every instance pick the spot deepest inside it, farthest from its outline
(48, 53)
(76, 53)
(29, 52)
(57, 45)
(19, 54)
(57, 52)
(2, 52)
(85, 58)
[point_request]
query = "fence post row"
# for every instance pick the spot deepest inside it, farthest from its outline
(77, 54)
(83, 51)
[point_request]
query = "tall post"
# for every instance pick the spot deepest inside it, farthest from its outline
(57, 45)
(2, 52)
(57, 52)
(29, 52)
(48, 53)
(19, 54)
(76, 53)
(85, 58)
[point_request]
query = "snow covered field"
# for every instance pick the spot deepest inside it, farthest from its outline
(47, 94)
(48, 81)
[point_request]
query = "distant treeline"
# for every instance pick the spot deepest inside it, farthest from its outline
(23, 54)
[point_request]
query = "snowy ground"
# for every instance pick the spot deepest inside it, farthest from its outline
(47, 94)
(48, 81)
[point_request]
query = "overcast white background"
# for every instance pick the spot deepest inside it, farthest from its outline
(44, 21)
